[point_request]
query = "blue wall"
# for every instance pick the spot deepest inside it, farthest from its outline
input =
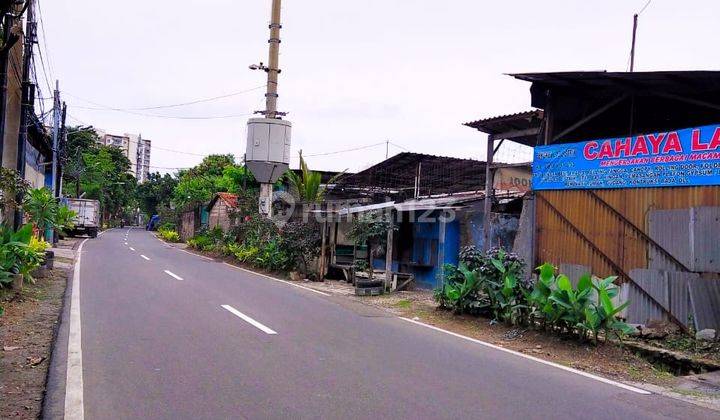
(429, 277)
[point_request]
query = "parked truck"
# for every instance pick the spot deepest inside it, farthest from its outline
(88, 216)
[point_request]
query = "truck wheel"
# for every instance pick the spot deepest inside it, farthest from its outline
(93, 233)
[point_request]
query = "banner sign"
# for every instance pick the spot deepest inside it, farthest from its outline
(670, 159)
(516, 179)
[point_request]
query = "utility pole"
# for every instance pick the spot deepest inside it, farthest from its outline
(271, 96)
(632, 49)
(27, 97)
(8, 40)
(387, 149)
(63, 145)
(273, 69)
(56, 137)
(268, 145)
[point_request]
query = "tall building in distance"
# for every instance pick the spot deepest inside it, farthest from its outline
(136, 148)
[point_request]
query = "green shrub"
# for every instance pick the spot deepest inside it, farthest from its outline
(19, 253)
(44, 211)
(498, 290)
(460, 291)
(200, 242)
(273, 257)
(586, 309)
(244, 253)
(492, 283)
(301, 241)
(169, 235)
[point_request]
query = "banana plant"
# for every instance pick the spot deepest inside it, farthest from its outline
(573, 302)
(542, 308)
(603, 314)
(606, 291)
(14, 252)
(457, 293)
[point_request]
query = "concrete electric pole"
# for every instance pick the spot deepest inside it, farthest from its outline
(27, 97)
(273, 69)
(268, 143)
(56, 138)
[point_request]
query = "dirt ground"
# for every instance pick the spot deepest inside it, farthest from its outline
(26, 331)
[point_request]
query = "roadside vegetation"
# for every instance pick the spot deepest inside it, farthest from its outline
(259, 243)
(99, 172)
(491, 284)
(22, 251)
(168, 233)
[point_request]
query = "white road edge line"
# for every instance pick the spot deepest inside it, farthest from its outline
(249, 320)
(192, 253)
(278, 280)
(132, 249)
(74, 406)
(173, 275)
(545, 362)
(144, 257)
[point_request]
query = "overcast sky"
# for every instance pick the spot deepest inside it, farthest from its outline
(354, 73)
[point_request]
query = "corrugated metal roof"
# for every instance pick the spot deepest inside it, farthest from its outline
(667, 80)
(437, 175)
(512, 123)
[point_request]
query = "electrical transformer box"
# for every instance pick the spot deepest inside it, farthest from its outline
(268, 148)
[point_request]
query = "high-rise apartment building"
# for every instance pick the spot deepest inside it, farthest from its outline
(136, 148)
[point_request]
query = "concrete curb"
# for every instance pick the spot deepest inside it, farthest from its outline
(53, 404)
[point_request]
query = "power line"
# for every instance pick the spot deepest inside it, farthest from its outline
(644, 7)
(172, 117)
(346, 150)
(47, 50)
(148, 108)
(400, 147)
(133, 111)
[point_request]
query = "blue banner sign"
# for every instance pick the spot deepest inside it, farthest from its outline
(670, 159)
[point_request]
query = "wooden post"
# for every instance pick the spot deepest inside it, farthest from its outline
(389, 257)
(321, 271)
(488, 192)
(441, 250)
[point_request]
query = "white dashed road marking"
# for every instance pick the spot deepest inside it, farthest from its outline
(145, 257)
(249, 320)
(173, 275)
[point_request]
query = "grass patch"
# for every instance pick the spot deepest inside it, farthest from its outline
(404, 304)
(689, 392)
(635, 373)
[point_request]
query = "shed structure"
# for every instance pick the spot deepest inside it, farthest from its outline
(620, 231)
(220, 209)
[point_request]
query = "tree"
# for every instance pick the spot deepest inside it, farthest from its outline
(307, 186)
(80, 140)
(238, 179)
(156, 191)
(212, 166)
(100, 172)
(216, 173)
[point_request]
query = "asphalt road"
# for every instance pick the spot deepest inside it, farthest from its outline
(208, 341)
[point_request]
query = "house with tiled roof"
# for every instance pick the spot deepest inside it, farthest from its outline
(220, 209)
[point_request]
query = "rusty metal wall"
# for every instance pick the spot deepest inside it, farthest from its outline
(583, 227)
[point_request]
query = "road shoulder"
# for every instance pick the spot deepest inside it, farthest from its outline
(31, 331)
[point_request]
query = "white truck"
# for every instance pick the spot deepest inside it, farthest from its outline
(88, 216)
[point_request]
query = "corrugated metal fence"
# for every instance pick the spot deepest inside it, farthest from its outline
(617, 231)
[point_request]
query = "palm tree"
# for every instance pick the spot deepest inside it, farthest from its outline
(307, 186)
